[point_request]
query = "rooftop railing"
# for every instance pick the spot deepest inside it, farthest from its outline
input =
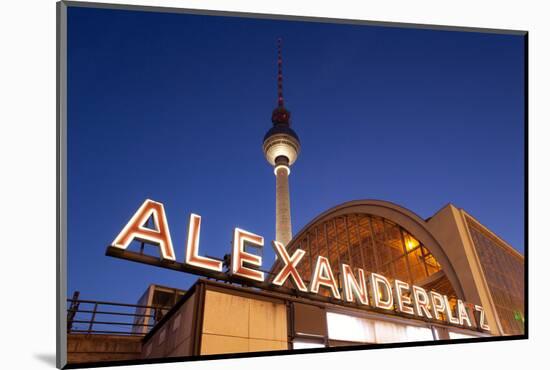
(102, 317)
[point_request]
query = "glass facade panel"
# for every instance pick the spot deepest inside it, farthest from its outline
(504, 271)
(322, 240)
(401, 270)
(432, 266)
(394, 240)
(305, 267)
(417, 265)
(334, 255)
(367, 243)
(385, 253)
(373, 244)
(342, 241)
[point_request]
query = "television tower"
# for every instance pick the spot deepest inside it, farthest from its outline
(281, 148)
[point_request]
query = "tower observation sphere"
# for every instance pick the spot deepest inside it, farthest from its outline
(281, 147)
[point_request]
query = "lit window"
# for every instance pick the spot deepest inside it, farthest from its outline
(455, 335)
(300, 343)
(411, 243)
(350, 328)
(388, 332)
(418, 333)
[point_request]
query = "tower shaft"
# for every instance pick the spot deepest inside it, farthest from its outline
(281, 148)
(283, 225)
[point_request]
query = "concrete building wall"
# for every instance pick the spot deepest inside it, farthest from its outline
(234, 323)
(175, 336)
(219, 321)
(83, 348)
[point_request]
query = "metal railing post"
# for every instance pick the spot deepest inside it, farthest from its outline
(72, 311)
(150, 318)
(92, 319)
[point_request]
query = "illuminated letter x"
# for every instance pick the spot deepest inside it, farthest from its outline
(290, 266)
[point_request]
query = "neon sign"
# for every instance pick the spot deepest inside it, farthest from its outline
(359, 288)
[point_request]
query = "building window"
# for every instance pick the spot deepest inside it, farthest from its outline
(301, 343)
(350, 328)
(357, 330)
(456, 335)
(419, 333)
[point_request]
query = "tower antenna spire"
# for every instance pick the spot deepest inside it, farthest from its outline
(281, 148)
(280, 100)
(280, 116)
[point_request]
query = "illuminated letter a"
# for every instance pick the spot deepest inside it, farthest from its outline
(159, 235)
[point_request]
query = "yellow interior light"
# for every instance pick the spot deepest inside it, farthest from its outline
(411, 243)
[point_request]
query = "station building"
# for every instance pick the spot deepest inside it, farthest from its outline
(450, 252)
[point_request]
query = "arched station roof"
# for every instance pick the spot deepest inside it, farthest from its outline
(410, 224)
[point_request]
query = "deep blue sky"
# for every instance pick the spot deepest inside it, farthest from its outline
(174, 107)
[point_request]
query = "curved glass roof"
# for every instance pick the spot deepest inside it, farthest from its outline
(372, 243)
